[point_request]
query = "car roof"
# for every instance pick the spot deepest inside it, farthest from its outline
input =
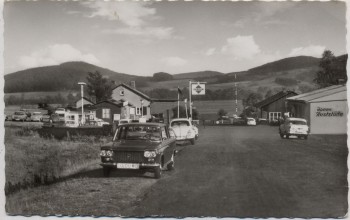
(296, 119)
(144, 124)
(180, 119)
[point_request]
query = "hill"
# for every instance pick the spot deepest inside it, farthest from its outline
(57, 78)
(199, 74)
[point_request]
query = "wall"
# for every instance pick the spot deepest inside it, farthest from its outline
(328, 117)
(113, 110)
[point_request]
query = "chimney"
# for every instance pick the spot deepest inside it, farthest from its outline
(133, 84)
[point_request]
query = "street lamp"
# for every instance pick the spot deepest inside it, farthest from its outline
(141, 108)
(82, 100)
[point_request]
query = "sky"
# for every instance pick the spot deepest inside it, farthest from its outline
(142, 38)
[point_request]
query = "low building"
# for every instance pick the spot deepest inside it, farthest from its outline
(109, 110)
(86, 102)
(273, 107)
(139, 102)
(325, 109)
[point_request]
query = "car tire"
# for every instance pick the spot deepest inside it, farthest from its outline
(287, 136)
(281, 135)
(171, 164)
(106, 171)
(305, 137)
(192, 141)
(158, 172)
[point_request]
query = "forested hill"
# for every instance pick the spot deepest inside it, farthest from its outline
(57, 78)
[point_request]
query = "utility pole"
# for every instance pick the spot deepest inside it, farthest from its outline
(82, 102)
(190, 94)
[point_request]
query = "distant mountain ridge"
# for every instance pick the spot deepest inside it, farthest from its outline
(64, 77)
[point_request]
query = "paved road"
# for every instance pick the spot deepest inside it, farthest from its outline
(251, 172)
(231, 171)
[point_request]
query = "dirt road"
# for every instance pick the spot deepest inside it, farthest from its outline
(231, 171)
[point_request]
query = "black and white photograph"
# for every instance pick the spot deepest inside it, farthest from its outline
(174, 109)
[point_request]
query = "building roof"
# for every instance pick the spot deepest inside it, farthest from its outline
(84, 99)
(118, 103)
(274, 98)
(134, 91)
(319, 93)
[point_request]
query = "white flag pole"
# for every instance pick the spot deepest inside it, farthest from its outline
(178, 103)
(190, 94)
(186, 109)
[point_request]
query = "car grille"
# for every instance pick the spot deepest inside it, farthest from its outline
(129, 157)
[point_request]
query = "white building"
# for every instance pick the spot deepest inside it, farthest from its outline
(325, 109)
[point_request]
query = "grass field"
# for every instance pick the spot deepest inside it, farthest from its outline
(32, 160)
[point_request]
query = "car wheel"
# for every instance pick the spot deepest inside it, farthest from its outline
(106, 171)
(158, 171)
(281, 135)
(305, 137)
(196, 137)
(287, 136)
(171, 164)
(192, 141)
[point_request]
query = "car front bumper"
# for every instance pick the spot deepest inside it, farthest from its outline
(141, 165)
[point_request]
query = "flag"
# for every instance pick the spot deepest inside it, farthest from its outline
(179, 91)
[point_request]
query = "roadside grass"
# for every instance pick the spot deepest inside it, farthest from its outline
(31, 160)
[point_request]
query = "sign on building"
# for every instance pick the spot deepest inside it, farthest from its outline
(198, 88)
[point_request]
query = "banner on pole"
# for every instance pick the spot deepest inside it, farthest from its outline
(198, 88)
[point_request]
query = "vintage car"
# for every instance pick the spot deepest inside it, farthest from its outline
(53, 120)
(19, 116)
(251, 121)
(294, 126)
(36, 116)
(184, 130)
(140, 146)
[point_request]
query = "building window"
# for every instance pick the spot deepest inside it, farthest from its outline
(121, 92)
(138, 111)
(106, 113)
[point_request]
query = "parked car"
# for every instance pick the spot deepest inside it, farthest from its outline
(251, 121)
(184, 130)
(100, 122)
(124, 121)
(294, 126)
(36, 116)
(19, 116)
(53, 120)
(140, 146)
(262, 121)
(239, 121)
(223, 121)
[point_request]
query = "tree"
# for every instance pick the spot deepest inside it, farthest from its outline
(222, 112)
(98, 86)
(331, 71)
(268, 94)
(253, 98)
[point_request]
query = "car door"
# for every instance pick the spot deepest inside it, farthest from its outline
(167, 143)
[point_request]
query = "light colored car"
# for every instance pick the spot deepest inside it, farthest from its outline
(36, 116)
(251, 121)
(294, 127)
(184, 130)
(19, 116)
(100, 122)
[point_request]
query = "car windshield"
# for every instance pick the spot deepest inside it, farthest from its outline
(139, 132)
(19, 113)
(37, 113)
(297, 122)
(251, 119)
(180, 123)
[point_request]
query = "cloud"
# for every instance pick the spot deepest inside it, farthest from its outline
(312, 50)
(241, 47)
(156, 32)
(174, 61)
(210, 51)
(135, 18)
(56, 54)
(130, 13)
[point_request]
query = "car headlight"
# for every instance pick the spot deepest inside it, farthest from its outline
(109, 153)
(149, 154)
(103, 153)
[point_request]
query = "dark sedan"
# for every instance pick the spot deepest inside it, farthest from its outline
(140, 146)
